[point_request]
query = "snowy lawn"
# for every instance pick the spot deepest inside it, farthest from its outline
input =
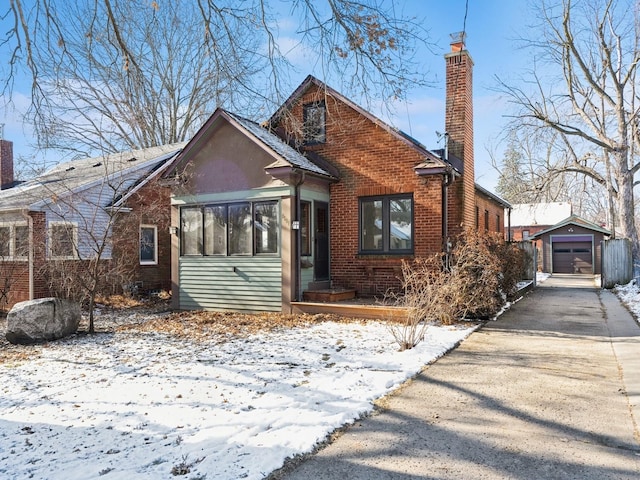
(156, 401)
(630, 295)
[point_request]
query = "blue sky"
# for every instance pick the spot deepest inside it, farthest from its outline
(491, 26)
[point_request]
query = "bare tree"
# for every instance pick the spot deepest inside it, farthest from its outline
(109, 75)
(87, 222)
(593, 48)
(539, 166)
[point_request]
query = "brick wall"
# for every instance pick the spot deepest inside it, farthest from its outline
(150, 205)
(371, 161)
(459, 127)
(6, 164)
(490, 215)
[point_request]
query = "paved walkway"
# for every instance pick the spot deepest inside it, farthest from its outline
(549, 391)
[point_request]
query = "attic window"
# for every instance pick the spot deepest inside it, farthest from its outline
(132, 159)
(99, 164)
(314, 123)
(69, 169)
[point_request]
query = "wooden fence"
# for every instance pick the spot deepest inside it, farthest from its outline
(617, 262)
(532, 260)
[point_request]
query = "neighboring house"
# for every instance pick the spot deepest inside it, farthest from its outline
(322, 195)
(527, 219)
(573, 245)
(66, 214)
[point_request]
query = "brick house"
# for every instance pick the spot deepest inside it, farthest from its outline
(322, 195)
(67, 213)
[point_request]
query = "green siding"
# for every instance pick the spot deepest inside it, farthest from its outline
(210, 283)
(307, 277)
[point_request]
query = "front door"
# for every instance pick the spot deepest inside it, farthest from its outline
(321, 242)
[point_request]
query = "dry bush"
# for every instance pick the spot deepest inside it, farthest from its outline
(471, 282)
(423, 282)
(514, 265)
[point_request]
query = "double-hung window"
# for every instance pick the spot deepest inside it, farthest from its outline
(386, 224)
(5, 242)
(239, 228)
(148, 245)
(314, 123)
(14, 241)
(63, 241)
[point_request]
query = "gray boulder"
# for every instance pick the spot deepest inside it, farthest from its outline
(42, 320)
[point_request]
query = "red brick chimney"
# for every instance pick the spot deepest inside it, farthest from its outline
(459, 127)
(6, 164)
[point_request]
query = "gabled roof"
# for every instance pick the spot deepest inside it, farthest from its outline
(576, 221)
(549, 213)
(284, 155)
(431, 159)
(492, 196)
(124, 169)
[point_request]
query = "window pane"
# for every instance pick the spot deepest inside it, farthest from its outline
(371, 225)
(400, 219)
(266, 227)
(62, 241)
(191, 231)
(148, 245)
(314, 123)
(215, 230)
(5, 242)
(240, 229)
(21, 247)
(305, 228)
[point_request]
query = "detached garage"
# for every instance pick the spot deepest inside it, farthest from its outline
(571, 246)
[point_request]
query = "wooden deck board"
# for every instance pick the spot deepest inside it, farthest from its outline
(374, 312)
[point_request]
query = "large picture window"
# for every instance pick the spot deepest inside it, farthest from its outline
(386, 224)
(243, 228)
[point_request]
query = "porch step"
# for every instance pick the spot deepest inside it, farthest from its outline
(329, 295)
(352, 310)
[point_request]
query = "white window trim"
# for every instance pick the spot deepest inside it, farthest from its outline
(12, 241)
(74, 227)
(155, 242)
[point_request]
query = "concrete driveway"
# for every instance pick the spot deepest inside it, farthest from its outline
(551, 390)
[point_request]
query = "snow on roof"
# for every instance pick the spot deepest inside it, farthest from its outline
(76, 175)
(526, 214)
(274, 142)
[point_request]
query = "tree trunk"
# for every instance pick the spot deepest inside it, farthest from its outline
(626, 204)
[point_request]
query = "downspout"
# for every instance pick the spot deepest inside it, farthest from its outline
(30, 254)
(447, 179)
(509, 224)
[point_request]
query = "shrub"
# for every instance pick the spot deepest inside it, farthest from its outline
(472, 281)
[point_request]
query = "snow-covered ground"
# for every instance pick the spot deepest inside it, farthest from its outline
(148, 405)
(630, 295)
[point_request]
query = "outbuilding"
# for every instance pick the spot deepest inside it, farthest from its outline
(572, 246)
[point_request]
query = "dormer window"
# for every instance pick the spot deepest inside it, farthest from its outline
(314, 118)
